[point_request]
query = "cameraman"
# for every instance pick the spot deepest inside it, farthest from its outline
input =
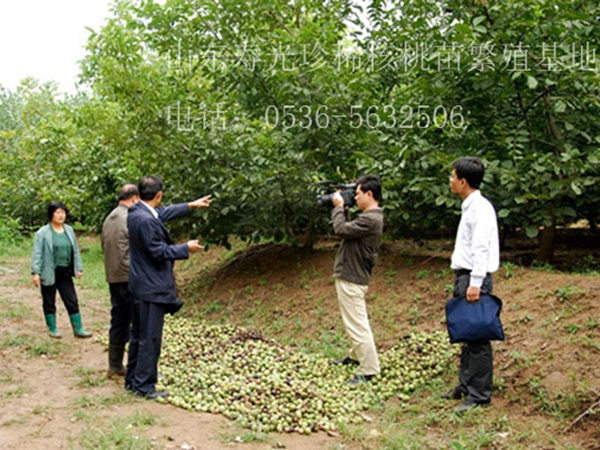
(354, 262)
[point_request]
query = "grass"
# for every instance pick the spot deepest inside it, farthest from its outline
(93, 265)
(15, 248)
(13, 341)
(34, 346)
(15, 393)
(567, 293)
(431, 424)
(122, 433)
(590, 343)
(45, 347)
(9, 309)
(40, 410)
(5, 379)
(89, 377)
(19, 419)
(588, 265)
(561, 406)
(422, 274)
(143, 419)
(509, 270)
(92, 402)
(525, 318)
(389, 276)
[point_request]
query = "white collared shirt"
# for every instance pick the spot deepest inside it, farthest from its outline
(152, 210)
(477, 246)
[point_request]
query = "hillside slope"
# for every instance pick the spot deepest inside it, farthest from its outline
(546, 372)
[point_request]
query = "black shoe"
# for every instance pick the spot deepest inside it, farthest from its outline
(156, 394)
(347, 361)
(358, 379)
(454, 394)
(112, 373)
(150, 395)
(468, 405)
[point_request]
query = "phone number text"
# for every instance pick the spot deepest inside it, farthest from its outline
(374, 116)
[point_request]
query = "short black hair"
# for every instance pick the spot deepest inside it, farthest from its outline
(149, 186)
(370, 183)
(52, 207)
(127, 191)
(470, 168)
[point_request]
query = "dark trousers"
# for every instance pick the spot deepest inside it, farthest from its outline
(64, 285)
(120, 313)
(134, 342)
(476, 359)
(144, 346)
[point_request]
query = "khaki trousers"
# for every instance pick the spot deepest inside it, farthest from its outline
(351, 298)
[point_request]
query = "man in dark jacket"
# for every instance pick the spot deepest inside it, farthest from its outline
(115, 246)
(152, 281)
(353, 265)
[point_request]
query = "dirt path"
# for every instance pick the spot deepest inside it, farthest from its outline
(63, 399)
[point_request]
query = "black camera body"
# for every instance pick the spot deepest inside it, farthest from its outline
(328, 189)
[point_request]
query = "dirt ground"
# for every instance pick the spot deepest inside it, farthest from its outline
(551, 354)
(44, 404)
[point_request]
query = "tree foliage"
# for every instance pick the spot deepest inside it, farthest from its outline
(254, 101)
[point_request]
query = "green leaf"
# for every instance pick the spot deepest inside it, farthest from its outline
(560, 106)
(566, 211)
(479, 19)
(532, 83)
(531, 231)
(520, 200)
(463, 28)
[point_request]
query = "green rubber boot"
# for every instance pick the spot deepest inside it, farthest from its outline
(78, 330)
(51, 324)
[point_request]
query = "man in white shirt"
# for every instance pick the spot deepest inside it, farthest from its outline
(476, 255)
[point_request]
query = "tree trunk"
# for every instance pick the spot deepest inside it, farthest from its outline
(546, 250)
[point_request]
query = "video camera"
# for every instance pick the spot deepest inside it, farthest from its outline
(328, 189)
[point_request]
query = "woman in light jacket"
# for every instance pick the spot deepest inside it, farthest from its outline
(55, 261)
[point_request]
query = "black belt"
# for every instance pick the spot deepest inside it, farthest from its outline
(460, 272)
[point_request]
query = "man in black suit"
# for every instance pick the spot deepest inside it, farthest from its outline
(151, 280)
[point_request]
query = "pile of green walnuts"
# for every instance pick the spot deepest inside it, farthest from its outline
(267, 387)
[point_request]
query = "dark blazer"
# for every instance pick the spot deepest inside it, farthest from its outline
(152, 253)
